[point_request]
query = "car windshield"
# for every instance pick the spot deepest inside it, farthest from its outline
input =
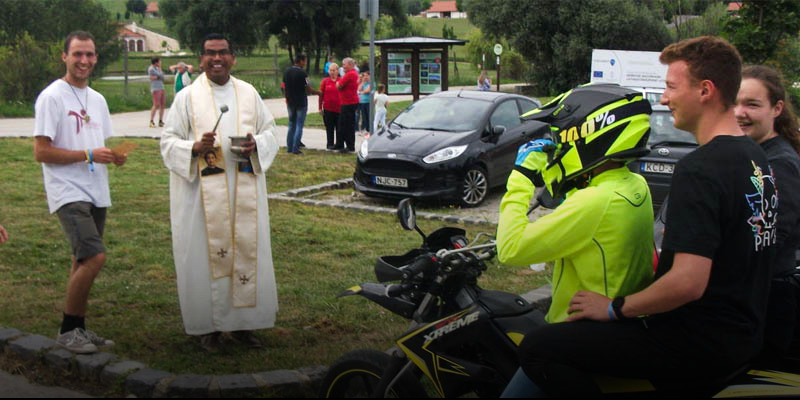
(662, 129)
(455, 114)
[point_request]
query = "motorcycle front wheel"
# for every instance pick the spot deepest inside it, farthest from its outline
(357, 373)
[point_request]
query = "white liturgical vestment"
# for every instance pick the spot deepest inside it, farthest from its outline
(207, 303)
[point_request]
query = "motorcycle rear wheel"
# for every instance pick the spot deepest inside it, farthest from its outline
(357, 373)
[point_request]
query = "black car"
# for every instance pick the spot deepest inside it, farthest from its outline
(667, 145)
(453, 145)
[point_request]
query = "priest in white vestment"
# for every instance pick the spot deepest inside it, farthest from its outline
(220, 222)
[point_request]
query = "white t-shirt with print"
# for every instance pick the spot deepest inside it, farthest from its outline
(58, 116)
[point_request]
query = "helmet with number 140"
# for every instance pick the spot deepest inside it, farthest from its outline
(592, 124)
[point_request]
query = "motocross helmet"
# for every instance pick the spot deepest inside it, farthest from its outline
(591, 124)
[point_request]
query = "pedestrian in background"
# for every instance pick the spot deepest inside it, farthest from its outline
(329, 104)
(364, 91)
(381, 102)
(348, 87)
(156, 90)
(325, 70)
(484, 83)
(296, 91)
(183, 75)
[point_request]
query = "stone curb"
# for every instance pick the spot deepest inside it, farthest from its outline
(295, 195)
(136, 379)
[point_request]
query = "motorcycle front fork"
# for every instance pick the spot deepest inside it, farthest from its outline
(399, 365)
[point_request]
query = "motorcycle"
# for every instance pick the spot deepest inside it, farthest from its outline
(464, 338)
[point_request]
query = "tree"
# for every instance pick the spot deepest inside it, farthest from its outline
(415, 7)
(761, 27)
(36, 27)
(558, 36)
(28, 67)
(313, 27)
(192, 20)
(710, 23)
(136, 7)
(448, 32)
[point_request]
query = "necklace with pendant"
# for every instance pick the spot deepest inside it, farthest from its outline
(84, 115)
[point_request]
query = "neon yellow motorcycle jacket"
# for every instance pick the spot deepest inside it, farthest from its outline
(600, 237)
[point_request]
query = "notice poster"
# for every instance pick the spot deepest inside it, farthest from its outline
(430, 72)
(399, 73)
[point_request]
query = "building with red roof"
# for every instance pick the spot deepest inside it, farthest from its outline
(152, 9)
(443, 9)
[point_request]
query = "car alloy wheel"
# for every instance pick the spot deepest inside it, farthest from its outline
(474, 187)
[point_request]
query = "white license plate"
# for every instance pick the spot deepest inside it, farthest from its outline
(658, 168)
(389, 181)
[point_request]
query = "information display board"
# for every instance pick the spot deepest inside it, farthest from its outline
(628, 68)
(430, 72)
(399, 73)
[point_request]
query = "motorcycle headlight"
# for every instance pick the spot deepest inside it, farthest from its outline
(362, 152)
(447, 153)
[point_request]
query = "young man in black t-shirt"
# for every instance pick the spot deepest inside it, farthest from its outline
(705, 312)
(295, 90)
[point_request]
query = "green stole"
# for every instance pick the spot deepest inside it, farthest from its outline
(232, 247)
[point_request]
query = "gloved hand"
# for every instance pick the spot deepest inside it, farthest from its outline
(532, 156)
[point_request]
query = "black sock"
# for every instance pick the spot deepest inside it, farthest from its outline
(72, 322)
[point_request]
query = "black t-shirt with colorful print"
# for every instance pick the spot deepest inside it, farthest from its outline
(723, 206)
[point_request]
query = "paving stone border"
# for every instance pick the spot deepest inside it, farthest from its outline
(301, 195)
(136, 379)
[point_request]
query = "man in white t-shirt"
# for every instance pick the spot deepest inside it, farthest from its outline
(72, 123)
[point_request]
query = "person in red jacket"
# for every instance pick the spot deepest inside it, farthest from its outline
(329, 103)
(348, 87)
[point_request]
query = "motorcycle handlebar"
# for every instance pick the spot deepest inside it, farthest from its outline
(421, 264)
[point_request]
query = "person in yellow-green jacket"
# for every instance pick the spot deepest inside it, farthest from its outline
(601, 234)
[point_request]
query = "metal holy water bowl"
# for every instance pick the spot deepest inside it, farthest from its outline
(236, 147)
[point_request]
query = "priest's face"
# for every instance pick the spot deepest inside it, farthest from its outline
(217, 60)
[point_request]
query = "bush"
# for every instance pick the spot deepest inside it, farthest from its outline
(16, 109)
(513, 65)
(28, 67)
(385, 28)
(266, 88)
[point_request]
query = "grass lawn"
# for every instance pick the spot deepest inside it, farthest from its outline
(318, 252)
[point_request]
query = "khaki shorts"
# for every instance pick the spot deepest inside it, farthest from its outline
(83, 223)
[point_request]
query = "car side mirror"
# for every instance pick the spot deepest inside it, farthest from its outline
(492, 133)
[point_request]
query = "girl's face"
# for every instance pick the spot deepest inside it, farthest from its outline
(754, 113)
